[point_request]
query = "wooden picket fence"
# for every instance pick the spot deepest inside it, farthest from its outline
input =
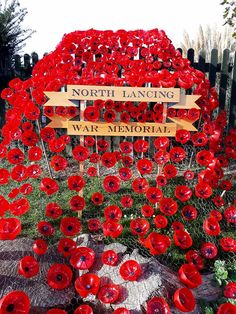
(221, 73)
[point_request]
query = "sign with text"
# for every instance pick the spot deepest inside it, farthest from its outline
(120, 93)
(83, 93)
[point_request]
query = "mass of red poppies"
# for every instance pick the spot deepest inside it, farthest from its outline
(121, 58)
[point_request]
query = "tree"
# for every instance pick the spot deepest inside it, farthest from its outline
(207, 39)
(12, 38)
(230, 14)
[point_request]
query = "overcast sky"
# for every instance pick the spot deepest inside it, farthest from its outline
(51, 19)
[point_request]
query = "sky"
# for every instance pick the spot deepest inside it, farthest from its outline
(52, 19)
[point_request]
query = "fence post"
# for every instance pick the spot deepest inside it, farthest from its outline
(224, 79)
(232, 108)
(213, 67)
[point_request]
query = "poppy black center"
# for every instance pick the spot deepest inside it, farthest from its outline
(112, 215)
(69, 228)
(59, 277)
(45, 228)
(111, 184)
(138, 229)
(82, 258)
(10, 307)
(26, 268)
(66, 249)
(88, 287)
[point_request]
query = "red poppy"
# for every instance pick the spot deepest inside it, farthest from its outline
(98, 103)
(170, 171)
(84, 309)
(127, 161)
(218, 201)
(216, 214)
(157, 243)
(40, 247)
(125, 117)
(189, 212)
(182, 239)
(230, 214)
(209, 250)
(211, 226)
(58, 163)
(14, 192)
(102, 145)
(97, 198)
(109, 293)
(144, 166)
(130, 270)
(80, 153)
(10, 228)
(16, 301)
(15, 156)
(184, 300)
(92, 172)
(110, 258)
(161, 180)
(161, 142)
(168, 206)
(4, 176)
(112, 229)
(56, 311)
(28, 267)
(140, 146)
(126, 147)
(230, 290)
(109, 116)
(154, 195)
(19, 207)
(77, 203)
(94, 158)
(19, 173)
(70, 226)
(87, 284)
(111, 184)
(89, 141)
(160, 221)
(177, 154)
(139, 226)
(47, 134)
(59, 276)
(29, 138)
(49, 186)
(189, 175)
(26, 189)
(161, 157)
(82, 258)
(182, 136)
(193, 257)
(126, 201)
(91, 114)
(183, 193)
(147, 211)
(121, 310)
(177, 225)
(158, 305)
(204, 157)
(66, 246)
(76, 183)
(94, 224)
(140, 185)
(3, 151)
(199, 139)
(112, 213)
(226, 185)
(32, 112)
(45, 228)
(228, 244)
(190, 276)
(226, 308)
(34, 171)
(53, 210)
(125, 174)
(203, 190)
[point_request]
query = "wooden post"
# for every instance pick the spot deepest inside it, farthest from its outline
(213, 67)
(81, 164)
(224, 79)
(232, 109)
